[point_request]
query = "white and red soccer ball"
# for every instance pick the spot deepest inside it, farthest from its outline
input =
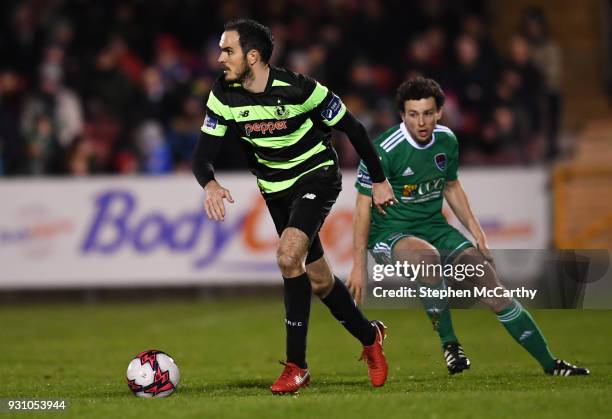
(153, 373)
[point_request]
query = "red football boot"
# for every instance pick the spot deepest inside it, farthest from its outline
(291, 379)
(375, 357)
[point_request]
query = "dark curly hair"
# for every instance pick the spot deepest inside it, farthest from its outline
(253, 35)
(419, 88)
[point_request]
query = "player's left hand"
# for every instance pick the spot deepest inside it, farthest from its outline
(357, 283)
(382, 196)
(483, 248)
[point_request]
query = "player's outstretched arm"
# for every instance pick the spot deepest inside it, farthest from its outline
(357, 279)
(382, 192)
(457, 199)
(204, 155)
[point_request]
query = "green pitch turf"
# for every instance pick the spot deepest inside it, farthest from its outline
(228, 353)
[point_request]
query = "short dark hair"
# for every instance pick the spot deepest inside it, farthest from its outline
(253, 35)
(419, 88)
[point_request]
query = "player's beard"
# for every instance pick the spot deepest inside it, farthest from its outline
(242, 75)
(245, 75)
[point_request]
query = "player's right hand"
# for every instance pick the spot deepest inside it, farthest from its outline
(213, 203)
(357, 283)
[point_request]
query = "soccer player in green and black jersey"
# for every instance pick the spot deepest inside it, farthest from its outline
(420, 159)
(284, 122)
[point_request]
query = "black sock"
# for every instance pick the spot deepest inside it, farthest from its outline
(343, 307)
(297, 312)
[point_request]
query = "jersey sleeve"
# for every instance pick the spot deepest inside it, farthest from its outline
(363, 184)
(322, 102)
(217, 113)
(453, 160)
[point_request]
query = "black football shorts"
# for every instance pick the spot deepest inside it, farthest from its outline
(305, 207)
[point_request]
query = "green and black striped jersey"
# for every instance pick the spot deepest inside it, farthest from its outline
(285, 129)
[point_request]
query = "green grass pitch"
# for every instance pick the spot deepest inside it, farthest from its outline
(228, 353)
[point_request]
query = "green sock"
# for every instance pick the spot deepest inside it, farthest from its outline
(443, 325)
(439, 314)
(519, 323)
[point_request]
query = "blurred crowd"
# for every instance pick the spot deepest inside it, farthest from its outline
(118, 86)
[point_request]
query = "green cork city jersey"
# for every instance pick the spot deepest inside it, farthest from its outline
(285, 130)
(417, 173)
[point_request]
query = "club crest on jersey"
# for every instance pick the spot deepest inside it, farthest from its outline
(281, 111)
(440, 160)
(265, 127)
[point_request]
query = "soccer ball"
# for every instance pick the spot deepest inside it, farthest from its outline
(153, 373)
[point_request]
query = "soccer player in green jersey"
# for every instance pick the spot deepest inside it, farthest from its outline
(283, 121)
(420, 159)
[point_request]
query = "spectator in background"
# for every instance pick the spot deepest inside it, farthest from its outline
(154, 151)
(436, 41)
(184, 131)
(546, 56)
(81, 158)
(475, 26)
(131, 63)
(309, 61)
(101, 136)
(60, 50)
(12, 87)
(501, 141)
(418, 58)
(339, 55)
(505, 136)
(50, 121)
(109, 88)
(529, 79)
(469, 81)
(155, 102)
(24, 39)
(364, 82)
(172, 62)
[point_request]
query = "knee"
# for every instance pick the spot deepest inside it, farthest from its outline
(321, 277)
(430, 257)
(427, 256)
(290, 262)
(430, 260)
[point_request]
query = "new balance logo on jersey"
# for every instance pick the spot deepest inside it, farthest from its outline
(408, 172)
(309, 196)
(264, 127)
